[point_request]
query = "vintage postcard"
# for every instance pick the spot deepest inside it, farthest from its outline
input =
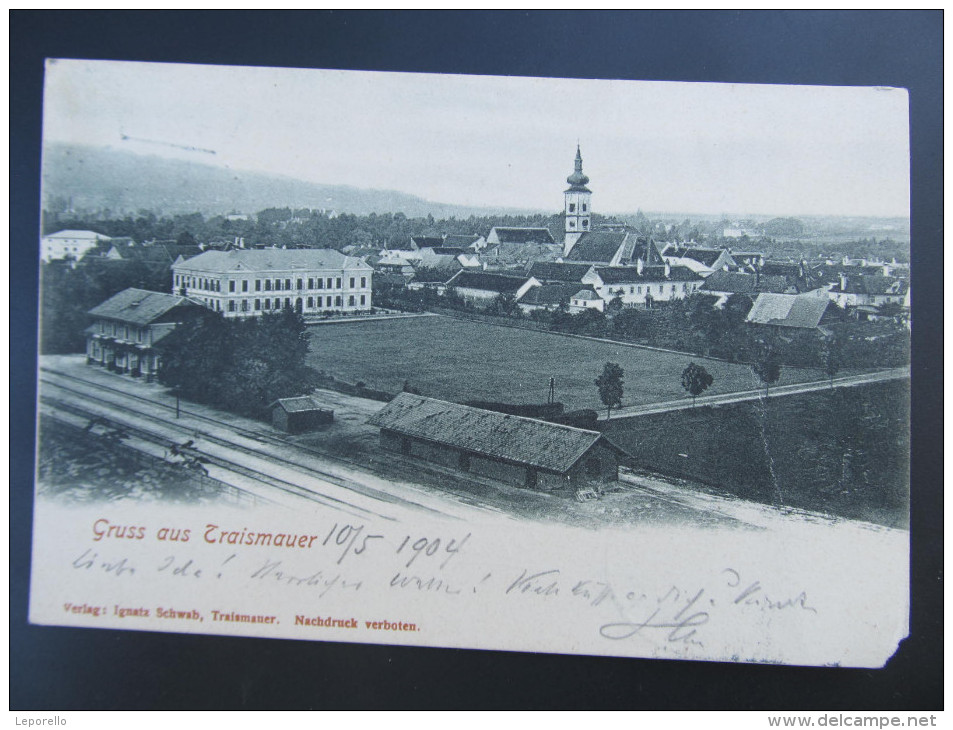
(551, 365)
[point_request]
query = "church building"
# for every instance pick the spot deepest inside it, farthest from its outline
(619, 262)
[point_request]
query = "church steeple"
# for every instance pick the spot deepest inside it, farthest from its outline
(578, 179)
(578, 208)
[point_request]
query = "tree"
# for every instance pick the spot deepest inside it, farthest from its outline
(615, 305)
(239, 365)
(767, 368)
(630, 324)
(504, 304)
(696, 380)
(610, 386)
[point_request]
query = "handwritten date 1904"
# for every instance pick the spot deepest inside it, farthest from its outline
(431, 547)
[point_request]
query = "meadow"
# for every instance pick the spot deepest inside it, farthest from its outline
(462, 360)
(845, 452)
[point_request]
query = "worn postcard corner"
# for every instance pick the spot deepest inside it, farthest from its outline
(588, 367)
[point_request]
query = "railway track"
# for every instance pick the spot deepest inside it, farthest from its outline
(136, 437)
(368, 462)
(95, 400)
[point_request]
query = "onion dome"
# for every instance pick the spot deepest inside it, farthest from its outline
(578, 180)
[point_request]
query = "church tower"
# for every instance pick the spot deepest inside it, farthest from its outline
(578, 205)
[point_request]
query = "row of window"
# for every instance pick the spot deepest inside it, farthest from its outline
(258, 305)
(214, 285)
(120, 330)
(585, 223)
(648, 289)
(572, 207)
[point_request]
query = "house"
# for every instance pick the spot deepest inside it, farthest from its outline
(585, 299)
(799, 274)
(553, 272)
(524, 452)
(516, 255)
(69, 244)
(723, 284)
(398, 267)
(469, 241)
(299, 414)
(483, 287)
(248, 283)
(608, 248)
(408, 251)
(127, 327)
(445, 257)
(155, 254)
(870, 291)
(426, 258)
(514, 235)
(793, 311)
(643, 285)
(704, 261)
(428, 278)
(743, 259)
(615, 248)
(547, 297)
(419, 242)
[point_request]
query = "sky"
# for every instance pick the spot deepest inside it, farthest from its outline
(506, 142)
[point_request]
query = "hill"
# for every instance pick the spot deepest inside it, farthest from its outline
(96, 178)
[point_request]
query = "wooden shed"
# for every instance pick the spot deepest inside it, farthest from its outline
(299, 414)
(525, 452)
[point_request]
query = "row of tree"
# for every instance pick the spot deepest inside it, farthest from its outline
(695, 379)
(67, 293)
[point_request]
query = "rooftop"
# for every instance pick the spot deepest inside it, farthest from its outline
(271, 259)
(523, 235)
(565, 272)
(489, 282)
(802, 311)
(549, 295)
(515, 439)
(297, 404)
(71, 233)
(139, 306)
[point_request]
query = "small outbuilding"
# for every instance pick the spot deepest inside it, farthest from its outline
(525, 452)
(299, 414)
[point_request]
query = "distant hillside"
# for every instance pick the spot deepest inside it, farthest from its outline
(105, 177)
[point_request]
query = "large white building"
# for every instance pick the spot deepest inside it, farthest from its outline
(247, 283)
(70, 243)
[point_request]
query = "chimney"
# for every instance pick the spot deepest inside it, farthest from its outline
(843, 282)
(668, 270)
(639, 266)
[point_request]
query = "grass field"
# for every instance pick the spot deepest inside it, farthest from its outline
(845, 452)
(460, 360)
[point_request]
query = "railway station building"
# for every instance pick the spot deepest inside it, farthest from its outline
(128, 326)
(524, 452)
(249, 283)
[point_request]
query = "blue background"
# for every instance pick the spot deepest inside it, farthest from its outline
(58, 668)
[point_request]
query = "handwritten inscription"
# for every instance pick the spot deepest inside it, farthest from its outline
(343, 559)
